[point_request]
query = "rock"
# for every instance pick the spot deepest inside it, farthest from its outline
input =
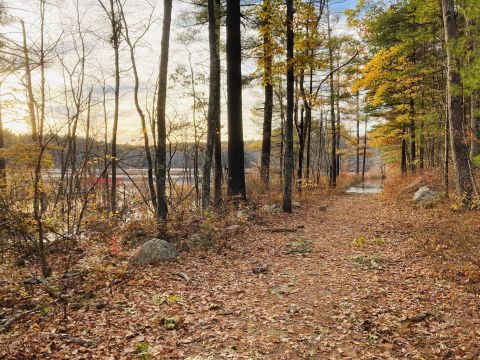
(242, 215)
(273, 208)
(296, 204)
(100, 305)
(232, 229)
(260, 269)
(32, 281)
(76, 306)
(155, 251)
(277, 210)
(424, 194)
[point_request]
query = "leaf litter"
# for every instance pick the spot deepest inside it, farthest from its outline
(318, 297)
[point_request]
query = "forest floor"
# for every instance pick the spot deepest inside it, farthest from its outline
(345, 276)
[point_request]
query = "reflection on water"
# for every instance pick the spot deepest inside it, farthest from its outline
(365, 188)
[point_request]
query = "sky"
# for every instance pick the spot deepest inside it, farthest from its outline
(61, 30)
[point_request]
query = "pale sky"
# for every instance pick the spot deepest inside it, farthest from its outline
(61, 16)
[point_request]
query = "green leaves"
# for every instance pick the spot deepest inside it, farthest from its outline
(359, 242)
(143, 352)
(169, 299)
(302, 246)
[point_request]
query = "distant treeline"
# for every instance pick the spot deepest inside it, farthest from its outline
(179, 155)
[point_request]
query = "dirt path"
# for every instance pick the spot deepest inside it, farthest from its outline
(324, 296)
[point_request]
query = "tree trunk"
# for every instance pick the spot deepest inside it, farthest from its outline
(422, 148)
(295, 114)
(141, 114)
(337, 105)
(301, 148)
(446, 158)
(236, 158)
(116, 48)
(364, 149)
(29, 85)
(218, 163)
(161, 155)
(357, 168)
(413, 147)
(218, 136)
(37, 212)
(268, 106)
(213, 100)
(320, 146)
(282, 131)
(303, 131)
(333, 160)
(475, 125)
(3, 174)
(105, 140)
(463, 175)
(288, 163)
(308, 122)
(404, 153)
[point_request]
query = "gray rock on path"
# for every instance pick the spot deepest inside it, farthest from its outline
(424, 194)
(242, 215)
(272, 209)
(231, 229)
(155, 251)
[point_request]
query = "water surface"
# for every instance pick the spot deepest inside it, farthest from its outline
(365, 188)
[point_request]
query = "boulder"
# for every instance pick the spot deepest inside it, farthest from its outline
(242, 215)
(277, 210)
(424, 194)
(260, 269)
(232, 229)
(273, 208)
(155, 251)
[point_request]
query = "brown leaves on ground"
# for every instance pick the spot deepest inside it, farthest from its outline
(350, 282)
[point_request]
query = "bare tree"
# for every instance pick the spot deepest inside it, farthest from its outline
(214, 99)
(218, 176)
(364, 160)
(268, 87)
(288, 162)
(113, 14)
(3, 174)
(161, 171)
(132, 46)
(333, 161)
(29, 85)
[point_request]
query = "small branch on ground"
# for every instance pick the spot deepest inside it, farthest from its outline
(183, 276)
(8, 322)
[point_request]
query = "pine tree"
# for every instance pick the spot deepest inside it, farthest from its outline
(236, 158)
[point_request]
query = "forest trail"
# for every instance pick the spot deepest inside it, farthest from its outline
(345, 285)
